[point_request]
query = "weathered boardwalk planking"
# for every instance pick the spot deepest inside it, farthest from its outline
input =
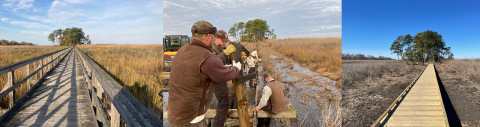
(419, 105)
(60, 100)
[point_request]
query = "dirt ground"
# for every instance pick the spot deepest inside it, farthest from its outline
(464, 95)
(365, 100)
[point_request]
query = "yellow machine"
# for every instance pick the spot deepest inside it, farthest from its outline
(171, 44)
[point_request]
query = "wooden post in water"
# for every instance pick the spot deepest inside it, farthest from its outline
(240, 90)
(11, 81)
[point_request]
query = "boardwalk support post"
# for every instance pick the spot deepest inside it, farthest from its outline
(11, 81)
(115, 116)
(28, 73)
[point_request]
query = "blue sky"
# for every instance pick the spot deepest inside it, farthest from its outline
(370, 26)
(299, 18)
(106, 21)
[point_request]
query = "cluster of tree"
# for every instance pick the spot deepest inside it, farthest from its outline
(348, 56)
(424, 46)
(69, 36)
(12, 42)
(252, 30)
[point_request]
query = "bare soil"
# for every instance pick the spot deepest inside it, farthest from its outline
(464, 95)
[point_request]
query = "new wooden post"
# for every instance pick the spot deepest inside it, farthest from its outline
(11, 81)
(115, 116)
(28, 81)
(240, 91)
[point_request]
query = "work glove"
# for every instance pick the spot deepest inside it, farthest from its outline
(244, 54)
(229, 50)
(237, 64)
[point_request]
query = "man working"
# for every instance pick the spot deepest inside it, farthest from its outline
(273, 99)
(221, 89)
(194, 72)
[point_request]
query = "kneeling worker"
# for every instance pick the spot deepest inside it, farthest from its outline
(272, 101)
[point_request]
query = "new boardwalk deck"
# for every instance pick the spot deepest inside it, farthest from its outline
(60, 100)
(419, 105)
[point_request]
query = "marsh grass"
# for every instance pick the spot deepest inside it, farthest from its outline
(469, 68)
(12, 54)
(138, 68)
(354, 72)
(322, 55)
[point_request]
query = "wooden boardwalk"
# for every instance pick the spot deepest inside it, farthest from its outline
(420, 104)
(60, 100)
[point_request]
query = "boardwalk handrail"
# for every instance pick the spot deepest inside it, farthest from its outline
(11, 84)
(12, 67)
(395, 103)
(123, 103)
(8, 68)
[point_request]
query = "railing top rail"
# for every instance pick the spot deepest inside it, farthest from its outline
(11, 67)
(130, 109)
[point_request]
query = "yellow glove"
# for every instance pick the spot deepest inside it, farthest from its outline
(243, 54)
(229, 50)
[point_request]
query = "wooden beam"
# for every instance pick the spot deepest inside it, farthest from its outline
(166, 75)
(246, 78)
(287, 113)
(8, 68)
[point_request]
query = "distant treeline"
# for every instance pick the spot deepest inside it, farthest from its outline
(12, 42)
(348, 56)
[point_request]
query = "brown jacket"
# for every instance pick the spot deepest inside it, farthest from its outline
(277, 98)
(194, 65)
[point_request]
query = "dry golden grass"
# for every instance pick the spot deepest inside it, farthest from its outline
(468, 68)
(138, 68)
(323, 55)
(12, 54)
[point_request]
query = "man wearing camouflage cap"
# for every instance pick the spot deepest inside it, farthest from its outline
(194, 73)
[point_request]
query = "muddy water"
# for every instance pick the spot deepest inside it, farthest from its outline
(295, 88)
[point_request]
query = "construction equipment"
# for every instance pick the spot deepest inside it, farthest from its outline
(171, 44)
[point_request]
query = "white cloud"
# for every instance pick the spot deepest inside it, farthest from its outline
(332, 9)
(329, 27)
(36, 32)
(4, 19)
(326, 34)
(19, 4)
(29, 25)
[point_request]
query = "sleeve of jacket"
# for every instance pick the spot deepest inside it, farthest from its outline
(225, 59)
(214, 69)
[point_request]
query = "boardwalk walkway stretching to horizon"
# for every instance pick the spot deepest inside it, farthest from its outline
(69, 89)
(420, 104)
(61, 100)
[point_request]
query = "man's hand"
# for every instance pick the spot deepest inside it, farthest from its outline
(258, 109)
(229, 50)
(237, 64)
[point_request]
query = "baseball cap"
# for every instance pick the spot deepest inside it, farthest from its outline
(222, 35)
(203, 27)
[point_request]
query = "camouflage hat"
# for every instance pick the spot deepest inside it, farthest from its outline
(203, 27)
(266, 74)
(222, 35)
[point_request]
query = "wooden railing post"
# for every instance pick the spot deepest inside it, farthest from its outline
(115, 116)
(28, 73)
(35, 69)
(11, 81)
(94, 82)
(41, 65)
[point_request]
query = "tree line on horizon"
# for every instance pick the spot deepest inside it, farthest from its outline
(12, 42)
(69, 36)
(427, 45)
(352, 56)
(253, 30)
